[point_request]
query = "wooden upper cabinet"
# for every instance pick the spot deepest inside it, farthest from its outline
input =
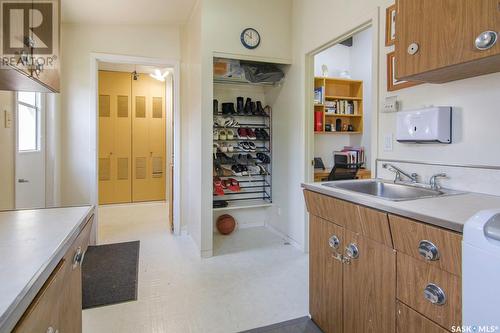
(31, 50)
(444, 32)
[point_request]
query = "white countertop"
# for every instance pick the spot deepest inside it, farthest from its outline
(450, 212)
(32, 242)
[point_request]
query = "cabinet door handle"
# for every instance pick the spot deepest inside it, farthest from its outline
(78, 257)
(351, 252)
(434, 294)
(334, 242)
(486, 40)
(428, 250)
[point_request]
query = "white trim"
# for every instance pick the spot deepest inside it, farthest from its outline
(372, 20)
(95, 58)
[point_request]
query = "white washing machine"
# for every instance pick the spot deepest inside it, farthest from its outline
(481, 272)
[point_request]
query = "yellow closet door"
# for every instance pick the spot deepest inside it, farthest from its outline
(148, 139)
(115, 137)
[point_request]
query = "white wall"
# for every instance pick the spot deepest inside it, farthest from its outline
(337, 58)
(7, 144)
(476, 99)
(78, 42)
(191, 139)
(222, 23)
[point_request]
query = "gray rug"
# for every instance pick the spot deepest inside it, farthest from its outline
(299, 325)
(109, 274)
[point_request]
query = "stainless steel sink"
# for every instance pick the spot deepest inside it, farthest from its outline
(388, 190)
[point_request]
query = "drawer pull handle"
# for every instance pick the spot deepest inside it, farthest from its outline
(428, 250)
(351, 252)
(486, 40)
(434, 294)
(334, 242)
(78, 257)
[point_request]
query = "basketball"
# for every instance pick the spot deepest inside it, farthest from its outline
(225, 224)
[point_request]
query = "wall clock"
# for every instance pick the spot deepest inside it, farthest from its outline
(250, 38)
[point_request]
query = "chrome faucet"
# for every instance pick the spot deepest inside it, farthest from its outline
(433, 181)
(413, 177)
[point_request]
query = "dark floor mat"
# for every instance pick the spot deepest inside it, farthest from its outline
(299, 325)
(109, 274)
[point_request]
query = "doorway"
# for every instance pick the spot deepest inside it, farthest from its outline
(164, 172)
(342, 108)
(29, 151)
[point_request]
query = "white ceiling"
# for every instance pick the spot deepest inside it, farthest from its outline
(115, 67)
(126, 11)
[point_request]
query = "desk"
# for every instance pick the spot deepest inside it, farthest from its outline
(320, 174)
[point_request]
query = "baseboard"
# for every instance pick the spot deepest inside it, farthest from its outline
(292, 241)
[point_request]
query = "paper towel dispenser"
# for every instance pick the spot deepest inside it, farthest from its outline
(426, 125)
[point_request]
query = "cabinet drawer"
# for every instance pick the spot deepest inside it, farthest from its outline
(45, 310)
(410, 321)
(415, 276)
(408, 235)
(334, 210)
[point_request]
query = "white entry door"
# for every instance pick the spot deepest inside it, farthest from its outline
(30, 151)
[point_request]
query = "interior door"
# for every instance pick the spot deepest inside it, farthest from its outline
(369, 287)
(325, 275)
(115, 136)
(30, 151)
(148, 139)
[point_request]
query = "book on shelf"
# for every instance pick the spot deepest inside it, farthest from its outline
(319, 95)
(343, 107)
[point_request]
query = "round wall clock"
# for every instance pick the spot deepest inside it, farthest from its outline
(250, 38)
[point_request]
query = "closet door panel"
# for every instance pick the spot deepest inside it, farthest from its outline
(114, 137)
(148, 139)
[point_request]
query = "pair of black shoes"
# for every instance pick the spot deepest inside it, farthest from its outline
(249, 108)
(264, 158)
(228, 109)
(261, 134)
(239, 170)
(222, 158)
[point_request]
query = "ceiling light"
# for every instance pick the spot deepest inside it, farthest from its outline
(159, 76)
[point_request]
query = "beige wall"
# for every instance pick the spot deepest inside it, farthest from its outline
(78, 42)
(191, 126)
(315, 23)
(7, 157)
(222, 23)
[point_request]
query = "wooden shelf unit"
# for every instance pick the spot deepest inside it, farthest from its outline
(338, 89)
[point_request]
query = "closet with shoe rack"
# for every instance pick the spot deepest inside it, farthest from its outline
(242, 137)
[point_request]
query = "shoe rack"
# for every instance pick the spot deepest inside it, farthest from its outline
(255, 187)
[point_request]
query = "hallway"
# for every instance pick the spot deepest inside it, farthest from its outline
(255, 281)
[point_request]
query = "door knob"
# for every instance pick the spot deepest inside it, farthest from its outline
(486, 40)
(434, 294)
(334, 242)
(428, 250)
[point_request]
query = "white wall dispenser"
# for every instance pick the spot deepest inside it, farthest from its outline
(426, 125)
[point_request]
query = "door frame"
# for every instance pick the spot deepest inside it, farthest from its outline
(371, 20)
(95, 58)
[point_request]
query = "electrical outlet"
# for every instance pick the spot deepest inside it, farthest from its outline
(391, 104)
(8, 119)
(388, 142)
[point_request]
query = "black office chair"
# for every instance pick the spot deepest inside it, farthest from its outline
(343, 172)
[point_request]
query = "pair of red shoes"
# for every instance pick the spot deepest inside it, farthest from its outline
(246, 134)
(225, 184)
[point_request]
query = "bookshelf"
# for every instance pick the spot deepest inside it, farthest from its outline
(338, 103)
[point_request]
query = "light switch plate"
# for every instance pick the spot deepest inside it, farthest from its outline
(8, 119)
(388, 142)
(391, 104)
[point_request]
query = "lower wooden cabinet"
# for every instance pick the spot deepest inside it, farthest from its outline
(325, 276)
(57, 308)
(367, 275)
(353, 294)
(410, 321)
